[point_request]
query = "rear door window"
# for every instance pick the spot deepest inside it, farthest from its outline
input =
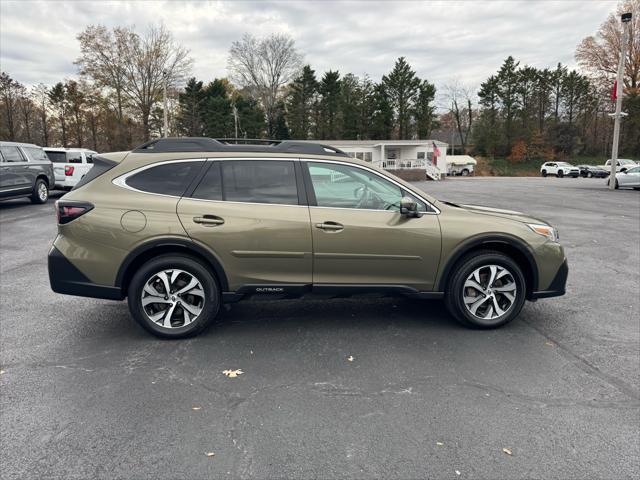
(166, 179)
(74, 157)
(12, 154)
(259, 181)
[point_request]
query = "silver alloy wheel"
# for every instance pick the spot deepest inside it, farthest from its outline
(172, 298)
(489, 292)
(42, 191)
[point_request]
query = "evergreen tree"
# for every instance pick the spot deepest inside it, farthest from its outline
(401, 85)
(251, 117)
(300, 103)
(382, 122)
(191, 107)
(329, 89)
(508, 81)
(218, 111)
(424, 109)
(350, 106)
(281, 130)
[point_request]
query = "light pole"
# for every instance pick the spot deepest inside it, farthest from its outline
(626, 19)
(165, 119)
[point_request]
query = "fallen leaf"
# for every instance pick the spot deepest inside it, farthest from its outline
(196, 408)
(507, 451)
(549, 344)
(350, 358)
(439, 444)
(210, 454)
(232, 373)
(457, 472)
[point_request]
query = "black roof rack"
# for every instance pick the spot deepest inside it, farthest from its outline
(204, 144)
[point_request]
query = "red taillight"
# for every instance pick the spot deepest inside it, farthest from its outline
(67, 212)
(68, 170)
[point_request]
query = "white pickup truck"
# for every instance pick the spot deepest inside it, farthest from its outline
(622, 165)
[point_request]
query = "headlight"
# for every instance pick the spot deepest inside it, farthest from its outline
(545, 230)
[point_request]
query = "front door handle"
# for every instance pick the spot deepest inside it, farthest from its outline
(330, 226)
(208, 220)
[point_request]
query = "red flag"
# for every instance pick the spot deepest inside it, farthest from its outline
(436, 153)
(614, 92)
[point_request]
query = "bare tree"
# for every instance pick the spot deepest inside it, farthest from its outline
(460, 97)
(40, 97)
(25, 106)
(9, 92)
(599, 55)
(263, 66)
(149, 61)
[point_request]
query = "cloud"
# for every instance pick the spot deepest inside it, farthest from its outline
(443, 41)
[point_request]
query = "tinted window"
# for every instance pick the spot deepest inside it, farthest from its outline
(74, 157)
(269, 181)
(11, 154)
(56, 157)
(210, 187)
(36, 154)
(167, 179)
(342, 186)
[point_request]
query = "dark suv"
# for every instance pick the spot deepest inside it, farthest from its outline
(25, 171)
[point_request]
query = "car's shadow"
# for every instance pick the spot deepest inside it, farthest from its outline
(16, 203)
(111, 321)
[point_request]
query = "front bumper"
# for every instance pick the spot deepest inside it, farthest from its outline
(558, 285)
(65, 278)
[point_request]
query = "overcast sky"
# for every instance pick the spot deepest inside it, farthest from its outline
(442, 40)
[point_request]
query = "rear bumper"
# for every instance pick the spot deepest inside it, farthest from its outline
(558, 285)
(65, 278)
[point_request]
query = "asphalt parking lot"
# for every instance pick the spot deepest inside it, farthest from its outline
(85, 393)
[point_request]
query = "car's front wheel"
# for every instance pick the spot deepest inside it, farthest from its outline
(174, 296)
(40, 192)
(543, 173)
(560, 174)
(487, 290)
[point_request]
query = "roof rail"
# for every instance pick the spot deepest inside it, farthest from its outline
(205, 144)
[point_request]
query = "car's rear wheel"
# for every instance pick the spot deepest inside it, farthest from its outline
(543, 173)
(560, 174)
(174, 296)
(589, 174)
(487, 290)
(40, 192)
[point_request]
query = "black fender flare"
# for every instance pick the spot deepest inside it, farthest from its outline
(168, 243)
(478, 241)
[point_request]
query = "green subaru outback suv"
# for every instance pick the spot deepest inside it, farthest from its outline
(181, 226)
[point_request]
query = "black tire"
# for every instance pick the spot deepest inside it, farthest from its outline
(455, 289)
(589, 174)
(617, 184)
(560, 174)
(464, 172)
(212, 297)
(543, 173)
(40, 193)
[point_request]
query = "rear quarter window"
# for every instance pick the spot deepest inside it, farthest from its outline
(166, 179)
(36, 154)
(56, 157)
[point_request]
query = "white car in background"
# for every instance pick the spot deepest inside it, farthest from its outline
(628, 179)
(69, 165)
(622, 165)
(559, 169)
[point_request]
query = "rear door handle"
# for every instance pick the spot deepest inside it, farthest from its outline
(208, 220)
(330, 226)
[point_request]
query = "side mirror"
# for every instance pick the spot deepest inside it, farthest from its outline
(409, 207)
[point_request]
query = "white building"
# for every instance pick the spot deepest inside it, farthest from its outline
(396, 154)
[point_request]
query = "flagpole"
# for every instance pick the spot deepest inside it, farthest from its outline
(626, 19)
